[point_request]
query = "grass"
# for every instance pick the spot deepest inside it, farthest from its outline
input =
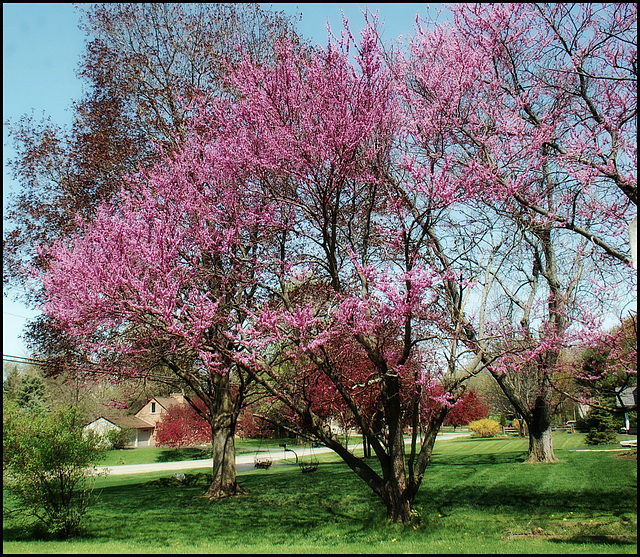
(477, 497)
(150, 455)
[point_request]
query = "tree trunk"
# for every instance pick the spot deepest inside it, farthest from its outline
(538, 418)
(395, 497)
(541, 447)
(395, 493)
(224, 482)
(223, 416)
(540, 440)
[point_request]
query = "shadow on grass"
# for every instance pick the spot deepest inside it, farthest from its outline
(520, 500)
(586, 539)
(282, 506)
(513, 457)
(187, 453)
(502, 486)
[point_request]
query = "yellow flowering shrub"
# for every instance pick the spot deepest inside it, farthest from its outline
(485, 427)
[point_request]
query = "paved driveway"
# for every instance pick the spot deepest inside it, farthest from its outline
(244, 462)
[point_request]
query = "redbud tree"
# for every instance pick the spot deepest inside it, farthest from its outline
(164, 272)
(529, 110)
(348, 234)
(352, 321)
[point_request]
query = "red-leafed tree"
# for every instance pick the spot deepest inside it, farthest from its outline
(181, 425)
(468, 408)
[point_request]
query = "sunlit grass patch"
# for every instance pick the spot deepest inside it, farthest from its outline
(477, 497)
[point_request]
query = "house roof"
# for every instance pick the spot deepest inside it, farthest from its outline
(132, 422)
(628, 397)
(166, 401)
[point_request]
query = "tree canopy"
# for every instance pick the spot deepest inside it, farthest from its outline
(364, 230)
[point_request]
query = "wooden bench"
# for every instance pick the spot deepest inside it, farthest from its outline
(568, 427)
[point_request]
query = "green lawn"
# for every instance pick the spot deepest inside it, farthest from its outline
(477, 497)
(163, 454)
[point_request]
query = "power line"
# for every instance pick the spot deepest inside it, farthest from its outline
(21, 360)
(16, 315)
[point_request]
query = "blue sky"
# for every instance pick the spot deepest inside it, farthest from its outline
(41, 49)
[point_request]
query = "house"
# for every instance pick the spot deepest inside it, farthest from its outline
(142, 425)
(628, 399)
(142, 431)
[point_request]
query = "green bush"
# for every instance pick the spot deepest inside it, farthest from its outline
(48, 465)
(600, 427)
(485, 427)
(119, 438)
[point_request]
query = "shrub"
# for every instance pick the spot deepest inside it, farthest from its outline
(485, 427)
(600, 427)
(521, 426)
(48, 465)
(119, 438)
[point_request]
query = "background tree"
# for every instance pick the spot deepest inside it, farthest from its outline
(182, 426)
(608, 369)
(25, 386)
(468, 408)
(609, 366)
(504, 111)
(143, 65)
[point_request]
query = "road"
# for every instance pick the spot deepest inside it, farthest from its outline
(244, 462)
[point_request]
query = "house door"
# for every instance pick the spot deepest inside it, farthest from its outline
(143, 437)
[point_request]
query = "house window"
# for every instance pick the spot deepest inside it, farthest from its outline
(153, 407)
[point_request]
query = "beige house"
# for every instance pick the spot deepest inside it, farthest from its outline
(143, 423)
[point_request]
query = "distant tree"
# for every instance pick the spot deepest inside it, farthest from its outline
(600, 426)
(610, 365)
(469, 407)
(606, 369)
(25, 385)
(182, 425)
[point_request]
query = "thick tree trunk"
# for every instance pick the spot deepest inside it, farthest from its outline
(224, 416)
(224, 483)
(395, 493)
(400, 491)
(541, 447)
(399, 505)
(538, 418)
(540, 440)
